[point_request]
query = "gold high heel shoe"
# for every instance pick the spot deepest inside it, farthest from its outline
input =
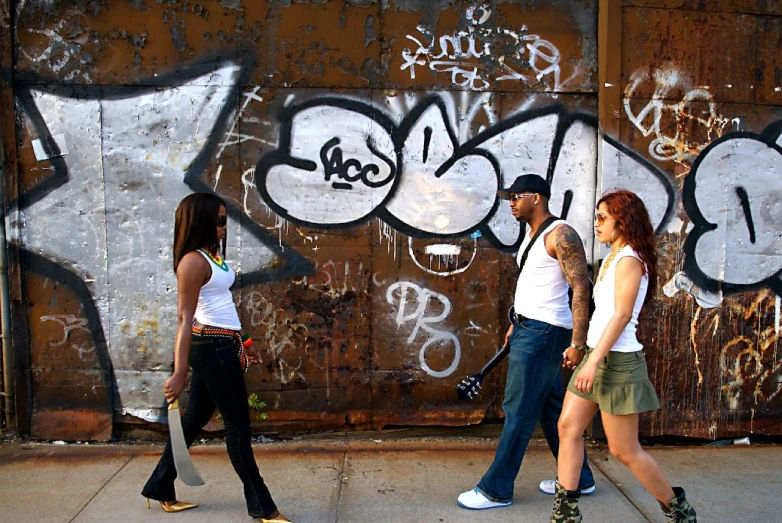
(176, 506)
(279, 519)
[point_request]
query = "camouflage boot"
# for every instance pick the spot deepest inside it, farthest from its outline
(565, 506)
(681, 511)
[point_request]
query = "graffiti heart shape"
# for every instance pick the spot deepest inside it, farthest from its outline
(335, 163)
(733, 196)
(442, 190)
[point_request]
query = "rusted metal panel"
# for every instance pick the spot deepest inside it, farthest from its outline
(716, 376)
(376, 262)
(316, 332)
(328, 45)
(768, 74)
(120, 42)
(713, 379)
(70, 375)
(506, 48)
(72, 381)
(431, 326)
(301, 44)
(305, 292)
(609, 66)
(656, 41)
(761, 7)
(687, 126)
(688, 346)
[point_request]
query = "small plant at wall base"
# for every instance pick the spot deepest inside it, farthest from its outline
(256, 408)
(257, 405)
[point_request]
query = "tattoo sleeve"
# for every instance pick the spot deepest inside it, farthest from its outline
(570, 252)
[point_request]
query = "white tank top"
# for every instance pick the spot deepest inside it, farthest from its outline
(215, 303)
(605, 290)
(542, 289)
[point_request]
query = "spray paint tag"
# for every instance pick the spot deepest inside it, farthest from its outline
(476, 234)
(50, 147)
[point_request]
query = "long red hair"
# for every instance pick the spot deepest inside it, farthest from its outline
(631, 216)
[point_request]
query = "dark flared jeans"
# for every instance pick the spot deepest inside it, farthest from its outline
(216, 381)
(533, 392)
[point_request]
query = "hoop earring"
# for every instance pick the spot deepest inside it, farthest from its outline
(612, 234)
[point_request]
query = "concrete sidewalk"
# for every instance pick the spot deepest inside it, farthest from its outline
(373, 479)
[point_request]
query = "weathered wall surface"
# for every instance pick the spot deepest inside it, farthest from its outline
(359, 145)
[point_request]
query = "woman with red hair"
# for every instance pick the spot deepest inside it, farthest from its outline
(612, 375)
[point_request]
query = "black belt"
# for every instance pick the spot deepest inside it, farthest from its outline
(518, 317)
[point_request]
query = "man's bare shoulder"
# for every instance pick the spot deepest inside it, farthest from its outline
(562, 234)
(566, 241)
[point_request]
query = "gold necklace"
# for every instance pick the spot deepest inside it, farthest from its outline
(606, 264)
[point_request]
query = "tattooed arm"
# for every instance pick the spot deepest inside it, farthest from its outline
(569, 250)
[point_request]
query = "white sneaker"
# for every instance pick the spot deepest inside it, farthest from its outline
(547, 487)
(474, 500)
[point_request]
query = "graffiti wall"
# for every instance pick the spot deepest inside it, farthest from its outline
(359, 146)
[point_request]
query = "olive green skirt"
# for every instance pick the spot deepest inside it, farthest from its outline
(621, 384)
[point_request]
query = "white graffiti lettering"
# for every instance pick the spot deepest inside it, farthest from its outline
(681, 129)
(421, 306)
(365, 148)
(69, 323)
(83, 348)
(464, 54)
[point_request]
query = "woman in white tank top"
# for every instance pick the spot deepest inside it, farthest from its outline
(612, 376)
(211, 342)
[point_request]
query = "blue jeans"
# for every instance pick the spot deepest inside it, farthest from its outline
(533, 391)
(216, 381)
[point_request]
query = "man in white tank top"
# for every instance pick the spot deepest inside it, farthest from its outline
(544, 326)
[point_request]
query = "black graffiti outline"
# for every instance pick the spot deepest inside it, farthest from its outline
(499, 128)
(294, 264)
(401, 134)
(701, 225)
(282, 155)
(35, 263)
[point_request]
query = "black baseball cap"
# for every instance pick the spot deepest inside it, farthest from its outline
(527, 183)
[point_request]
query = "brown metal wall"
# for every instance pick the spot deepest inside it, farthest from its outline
(714, 72)
(364, 322)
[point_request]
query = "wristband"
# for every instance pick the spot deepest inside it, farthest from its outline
(245, 337)
(581, 347)
(246, 343)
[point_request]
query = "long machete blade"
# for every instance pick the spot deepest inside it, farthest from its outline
(184, 465)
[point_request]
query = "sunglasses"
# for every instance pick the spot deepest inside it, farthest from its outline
(519, 196)
(600, 218)
(222, 220)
